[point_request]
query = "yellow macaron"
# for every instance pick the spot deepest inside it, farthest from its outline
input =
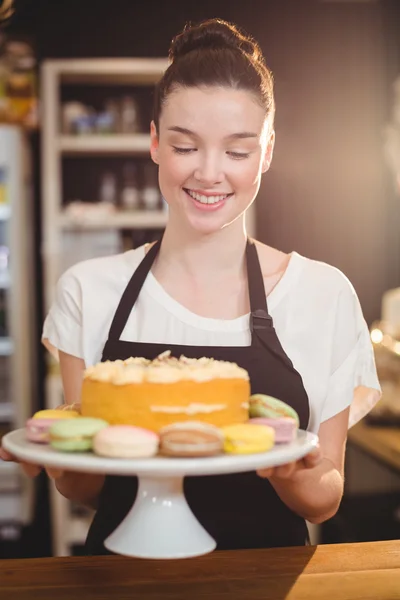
(244, 438)
(51, 413)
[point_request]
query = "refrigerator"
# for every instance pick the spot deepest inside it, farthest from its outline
(18, 320)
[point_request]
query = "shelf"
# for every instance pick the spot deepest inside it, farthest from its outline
(5, 212)
(119, 220)
(108, 71)
(6, 346)
(117, 144)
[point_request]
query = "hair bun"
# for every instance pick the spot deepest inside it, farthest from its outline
(212, 34)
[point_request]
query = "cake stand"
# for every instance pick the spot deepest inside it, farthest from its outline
(160, 523)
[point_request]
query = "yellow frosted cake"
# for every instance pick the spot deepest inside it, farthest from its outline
(153, 394)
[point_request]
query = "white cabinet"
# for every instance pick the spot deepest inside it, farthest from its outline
(18, 364)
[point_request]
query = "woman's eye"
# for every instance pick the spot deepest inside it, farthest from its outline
(183, 150)
(239, 155)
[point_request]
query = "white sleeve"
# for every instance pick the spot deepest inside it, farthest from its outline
(62, 328)
(352, 363)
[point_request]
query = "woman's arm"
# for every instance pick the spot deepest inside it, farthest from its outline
(78, 487)
(313, 486)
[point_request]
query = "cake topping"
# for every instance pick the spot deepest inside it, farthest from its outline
(164, 369)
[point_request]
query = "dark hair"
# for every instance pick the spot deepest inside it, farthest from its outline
(215, 52)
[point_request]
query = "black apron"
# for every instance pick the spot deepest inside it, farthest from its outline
(239, 510)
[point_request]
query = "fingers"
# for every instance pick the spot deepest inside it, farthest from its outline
(281, 472)
(265, 473)
(54, 473)
(30, 470)
(285, 471)
(4, 455)
(288, 470)
(313, 459)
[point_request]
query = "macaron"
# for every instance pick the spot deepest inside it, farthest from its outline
(75, 435)
(242, 438)
(190, 439)
(268, 407)
(125, 441)
(37, 428)
(285, 428)
(55, 413)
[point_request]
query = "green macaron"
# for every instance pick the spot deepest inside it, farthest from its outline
(268, 407)
(77, 438)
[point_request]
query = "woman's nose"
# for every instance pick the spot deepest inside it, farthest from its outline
(209, 170)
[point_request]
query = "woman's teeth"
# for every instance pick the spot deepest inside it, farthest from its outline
(206, 199)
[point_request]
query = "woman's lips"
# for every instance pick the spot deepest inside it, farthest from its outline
(208, 207)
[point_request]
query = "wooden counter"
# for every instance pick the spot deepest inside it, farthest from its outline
(332, 572)
(382, 443)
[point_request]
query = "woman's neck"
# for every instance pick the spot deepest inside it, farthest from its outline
(200, 256)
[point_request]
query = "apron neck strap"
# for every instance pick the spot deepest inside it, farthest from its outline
(259, 317)
(132, 292)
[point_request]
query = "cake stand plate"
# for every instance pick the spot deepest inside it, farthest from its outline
(160, 523)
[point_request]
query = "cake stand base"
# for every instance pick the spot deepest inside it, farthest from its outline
(160, 524)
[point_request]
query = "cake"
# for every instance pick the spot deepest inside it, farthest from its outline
(154, 394)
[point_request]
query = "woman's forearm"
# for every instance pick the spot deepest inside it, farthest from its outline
(83, 488)
(314, 494)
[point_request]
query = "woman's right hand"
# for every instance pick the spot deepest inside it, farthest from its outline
(29, 469)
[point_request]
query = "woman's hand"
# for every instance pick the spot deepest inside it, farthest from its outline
(290, 470)
(313, 486)
(30, 469)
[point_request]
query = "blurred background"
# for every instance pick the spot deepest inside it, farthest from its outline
(76, 83)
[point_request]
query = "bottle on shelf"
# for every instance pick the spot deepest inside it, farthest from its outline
(130, 195)
(129, 115)
(108, 189)
(112, 109)
(151, 196)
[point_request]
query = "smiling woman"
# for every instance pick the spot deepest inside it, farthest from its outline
(211, 145)
(206, 290)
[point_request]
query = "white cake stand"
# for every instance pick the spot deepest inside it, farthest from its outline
(160, 523)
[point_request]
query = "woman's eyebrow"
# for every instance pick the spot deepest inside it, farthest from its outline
(240, 135)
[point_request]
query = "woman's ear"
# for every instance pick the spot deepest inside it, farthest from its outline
(153, 142)
(269, 150)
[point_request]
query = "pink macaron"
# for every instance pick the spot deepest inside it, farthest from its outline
(125, 441)
(285, 427)
(37, 430)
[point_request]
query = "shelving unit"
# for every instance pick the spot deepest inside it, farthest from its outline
(105, 145)
(67, 529)
(119, 220)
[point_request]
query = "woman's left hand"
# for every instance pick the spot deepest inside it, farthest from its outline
(290, 470)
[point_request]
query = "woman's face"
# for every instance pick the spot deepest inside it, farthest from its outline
(211, 149)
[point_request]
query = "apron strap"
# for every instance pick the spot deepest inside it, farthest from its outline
(131, 293)
(260, 318)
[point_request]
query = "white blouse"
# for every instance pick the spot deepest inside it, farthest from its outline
(315, 310)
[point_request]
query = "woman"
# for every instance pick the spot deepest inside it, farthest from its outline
(206, 290)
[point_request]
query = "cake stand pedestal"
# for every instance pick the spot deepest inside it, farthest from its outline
(160, 524)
